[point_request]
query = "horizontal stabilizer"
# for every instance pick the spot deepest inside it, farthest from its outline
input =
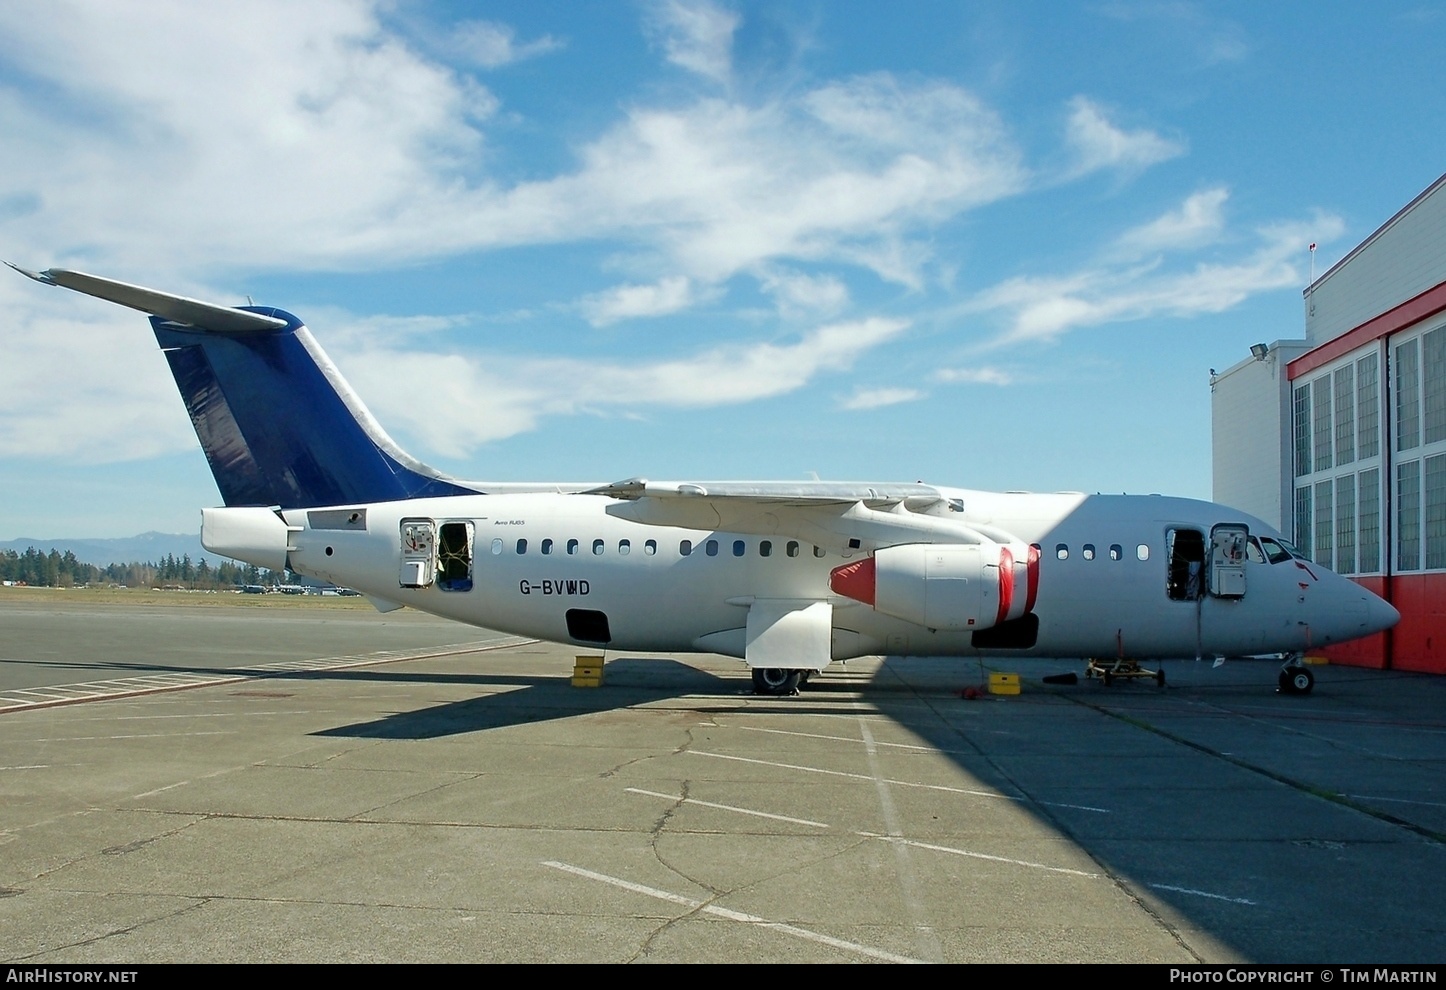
(177, 309)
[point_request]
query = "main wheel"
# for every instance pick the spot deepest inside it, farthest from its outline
(774, 680)
(1160, 677)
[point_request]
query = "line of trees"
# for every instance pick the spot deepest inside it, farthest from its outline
(63, 570)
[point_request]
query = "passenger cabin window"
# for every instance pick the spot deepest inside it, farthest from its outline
(685, 548)
(739, 548)
(521, 546)
(572, 546)
(651, 547)
(712, 548)
(793, 548)
(1088, 551)
(625, 547)
(597, 548)
(1142, 552)
(765, 548)
(1061, 551)
(1116, 552)
(497, 546)
(818, 551)
(546, 546)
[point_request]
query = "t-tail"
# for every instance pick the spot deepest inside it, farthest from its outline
(278, 423)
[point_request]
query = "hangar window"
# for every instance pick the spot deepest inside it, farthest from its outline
(1369, 501)
(1324, 523)
(1433, 385)
(1088, 551)
(1061, 551)
(1436, 512)
(1184, 579)
(711, 547)
(1117, 552)
(546, 546)
(572, 546)
(625, 547)
(1321, 396)
(765, 548)
(1408, 516)
(497, 546)
(521, 546)
(1302, 431)
(792, 548)
(1346, 524)
(1368, 407)
(651, 547)
(1408, 398)
(1345, 414)
(685, 548)
(597, 548)
(1303, 511)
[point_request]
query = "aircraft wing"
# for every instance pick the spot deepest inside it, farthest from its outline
(838, 516)
(784, 492)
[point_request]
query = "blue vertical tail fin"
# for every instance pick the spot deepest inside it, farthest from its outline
(278, 423)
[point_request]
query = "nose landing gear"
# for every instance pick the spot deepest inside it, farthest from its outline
(1295, 677)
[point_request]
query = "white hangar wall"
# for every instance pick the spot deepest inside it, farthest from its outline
(1340, 438)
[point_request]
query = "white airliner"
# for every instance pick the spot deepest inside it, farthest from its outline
(787, 576)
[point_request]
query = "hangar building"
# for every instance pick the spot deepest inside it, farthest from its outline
(1340, 439)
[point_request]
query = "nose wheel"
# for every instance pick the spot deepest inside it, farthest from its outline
(1295, 678)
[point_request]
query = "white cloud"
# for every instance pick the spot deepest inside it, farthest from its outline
(697, 35)
(314, 138)
(628, 301)
(492, 45)
(1198, 221)
(1098, 143)
(877, 398)
(475, 400)
(983, 375)
(1044, 308)
(84, 381)
(798, 295)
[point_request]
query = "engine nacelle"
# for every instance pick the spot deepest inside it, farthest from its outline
(954, 586)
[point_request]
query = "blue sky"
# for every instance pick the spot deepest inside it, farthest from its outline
(992, 245)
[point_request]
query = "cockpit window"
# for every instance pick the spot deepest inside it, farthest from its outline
(1276, 551)
(1253, 553)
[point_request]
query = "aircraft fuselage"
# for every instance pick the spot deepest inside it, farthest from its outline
(1103, 585)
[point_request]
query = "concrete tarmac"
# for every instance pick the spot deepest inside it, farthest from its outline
(358, 791)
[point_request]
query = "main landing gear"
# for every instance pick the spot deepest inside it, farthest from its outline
(1295, 677)
(778, 681)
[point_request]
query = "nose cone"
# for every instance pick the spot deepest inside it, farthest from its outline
(1380, 614)
(1343, 610)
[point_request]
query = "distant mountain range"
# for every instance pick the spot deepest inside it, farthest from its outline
(146, 548)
